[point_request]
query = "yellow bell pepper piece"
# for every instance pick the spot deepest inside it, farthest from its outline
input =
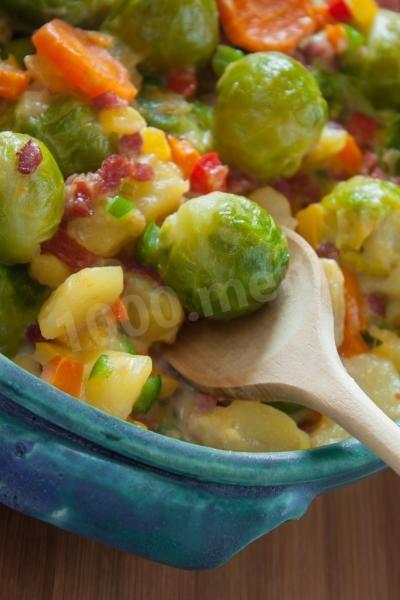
(155, 142)
(311, 224)
(364, 13)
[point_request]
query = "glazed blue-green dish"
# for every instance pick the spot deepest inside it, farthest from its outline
(184, 505)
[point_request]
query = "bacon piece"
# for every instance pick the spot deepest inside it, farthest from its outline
(377, 303)
(131, 144)
(108, 100)
(142, 172)
(328, 250)
(29, 158)
(33, 334)
(79, 195)
(113, 170)
(69, 251)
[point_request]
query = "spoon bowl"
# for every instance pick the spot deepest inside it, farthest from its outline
(286, 351)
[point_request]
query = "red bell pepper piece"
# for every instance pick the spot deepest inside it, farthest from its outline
(339, 11)
(183, 81)
(363, 128)
(209, 175)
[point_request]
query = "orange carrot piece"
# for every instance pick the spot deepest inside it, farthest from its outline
(184, 155)
(257, 25)
(86, 65)
(353, 342)
(13, 81)
(119, 311)
(336, 35)
(349, 160)
(65, 374)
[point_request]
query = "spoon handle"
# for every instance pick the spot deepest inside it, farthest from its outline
(342, 400)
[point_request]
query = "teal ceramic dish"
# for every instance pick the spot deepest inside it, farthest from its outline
(173, 502)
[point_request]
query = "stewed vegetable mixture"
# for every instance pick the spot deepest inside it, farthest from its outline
(150, 152)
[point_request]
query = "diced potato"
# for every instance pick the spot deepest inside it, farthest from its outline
(327, 432)
(105, 235)
(123, 121)
(155, 142)
(389, 347)
(335, 279)
(331, 142)
(169, 385)
(311, 224)
(276, 204)
(48, 270)
(379, 379)
(246, 427)
(161, 196)
(75, 303)
(115, 387)
(155, 312)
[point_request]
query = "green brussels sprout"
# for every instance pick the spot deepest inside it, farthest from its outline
(377, 63)
(222, 254)
(26, 15)
(357, 206)
(172, 33)
(20, 301)
(362, 219)
(70, 130)
(269, 113)
(175, 115)
(31, 204)
(342, 93)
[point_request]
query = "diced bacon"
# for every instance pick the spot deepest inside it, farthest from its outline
(183, 81)
(108, 100)
(131, 144)
(377, 304)
(33, 334)
(29, 158)
(363, 128)
(240, 183)
(142, 172)
(79, 195)
(69, 251)
(113, 170)
(328, 250)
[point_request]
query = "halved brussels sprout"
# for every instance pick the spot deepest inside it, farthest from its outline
(269, 113)
(26, 15)
(172, 33)
(20, 300)
(70, 130)
(376, 64)
(31, 203)
(222, 254)
(362, 217)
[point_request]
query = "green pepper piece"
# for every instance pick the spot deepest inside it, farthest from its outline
(102, 368)
(223, 57)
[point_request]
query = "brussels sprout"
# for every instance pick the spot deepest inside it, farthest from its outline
(342, 93)
(172, 113)
(377, 63)
(31, 203)
(269, 113)
(222, 254)
(70, 129)
(26, 15)
(172, 33)
(355, 208)
(20, 300)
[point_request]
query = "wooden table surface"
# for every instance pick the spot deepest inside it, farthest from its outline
(347, 547)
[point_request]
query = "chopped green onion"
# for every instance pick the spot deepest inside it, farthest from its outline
(126, 344)
(119, 207)
(102, 368)
(149, 395)
(224, 56)
(148, 245)
(355, 39)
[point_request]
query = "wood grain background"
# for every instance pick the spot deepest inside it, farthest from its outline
(347, 547)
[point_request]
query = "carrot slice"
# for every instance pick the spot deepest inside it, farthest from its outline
(13, 81)
(119, 311)
(184, 155)
(353, 342)
(65, 374)
(258, 25)
(85, 64)
(349, 161)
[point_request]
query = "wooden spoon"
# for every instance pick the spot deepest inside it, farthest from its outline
(286, 351)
